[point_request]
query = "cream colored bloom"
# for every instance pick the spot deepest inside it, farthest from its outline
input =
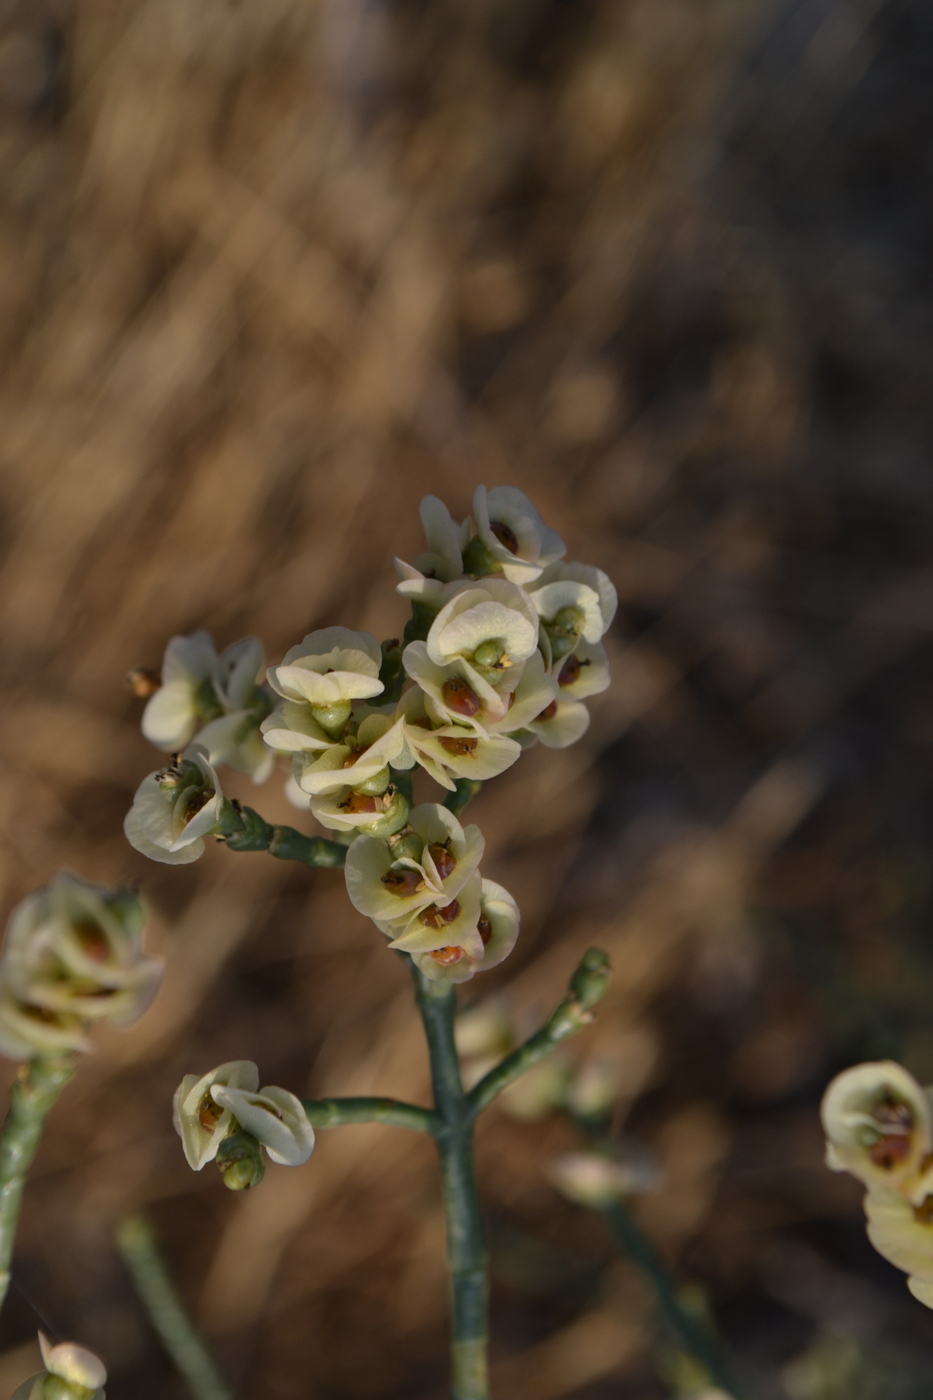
(457, 694)
(485, 633)
(390, 881)
(458, 959)
(200, 1120)
(186, 697)
(443, 559)
(903, 1234)
(449, 751)
(27, 1031)
(79, 1373)
(449, 924)
(76, 949)
(583, 673)
(275, 1118)
(219, 699)
(513, 534)
(879, 1125)
(174, 810)
(561, 724)
(576, 585)
(361, 756)
(318, 681)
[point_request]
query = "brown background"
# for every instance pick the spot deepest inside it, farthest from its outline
(269, 272)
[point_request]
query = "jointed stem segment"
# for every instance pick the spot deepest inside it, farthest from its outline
(37, 1086)
(245, 830)
(337, 1113)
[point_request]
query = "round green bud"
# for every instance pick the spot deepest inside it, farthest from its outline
(240, 1160)
(333, 718)
(376, 785)
(393, 819)
(591, 978)
(488, 655)
(408, 846)
(55, 1388)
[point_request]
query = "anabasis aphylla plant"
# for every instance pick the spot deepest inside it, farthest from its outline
(501, 650)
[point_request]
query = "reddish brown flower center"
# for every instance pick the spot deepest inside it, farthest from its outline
(460, 697)
(402, 882)
(209, 1113)
(437, 918)
(895, 1145)
(924, 1212)
(359, 802)
(505, 535)
(484, 929)
(443, 858)
(570, 670)
(459, 747)
(447, 957)
(549, 712)
(93, 941)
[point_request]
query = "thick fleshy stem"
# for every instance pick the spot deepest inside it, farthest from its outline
(338, 1113)
(35, 1089)
(587, 985)
(139, 1250)
(245, 830)
(466, 1247)
(687, 1328)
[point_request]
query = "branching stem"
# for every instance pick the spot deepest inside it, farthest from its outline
(245, 830)
(37, 1086)
(337, 1113)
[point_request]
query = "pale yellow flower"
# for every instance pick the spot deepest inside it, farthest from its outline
(879, 1126)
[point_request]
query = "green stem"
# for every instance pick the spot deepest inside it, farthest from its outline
(466, 1248)
(139, 1249)
(245, 830)
(337, 1113)
(465, 791)
(686, 1326)
(587, 985)
(37, 1086)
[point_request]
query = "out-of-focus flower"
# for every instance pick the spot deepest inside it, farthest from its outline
(391, 881)
(903, 1234)
(443, 559)
(484, 1030)
(593, 1089)
(318, 681)
(186, 697)
(71, 1373)
(458, 959)
(219, 699)
(275, 1118)
(449, 751)
(510, 536)
(879, 1126)
(175, 809)
(539, 1091)
(200, 1120)
(72, 956)
(590, 1179)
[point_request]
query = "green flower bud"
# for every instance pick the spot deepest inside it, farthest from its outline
(407, 844)
(488, 655)
(333, 718)
(239, 1158)
(591, 978)
(478, 561)
(376, 785)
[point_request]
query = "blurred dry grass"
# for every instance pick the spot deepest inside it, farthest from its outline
(269, 271)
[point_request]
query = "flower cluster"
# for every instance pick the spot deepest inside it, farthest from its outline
(224, 1116)
(72, 956)
(422, 888)
(879, 1126)
(218, 699)
(502, 649)
(71, 1373)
